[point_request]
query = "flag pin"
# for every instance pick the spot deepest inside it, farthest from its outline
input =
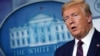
(98, 45)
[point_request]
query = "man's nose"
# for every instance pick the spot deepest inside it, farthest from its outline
(71, 20)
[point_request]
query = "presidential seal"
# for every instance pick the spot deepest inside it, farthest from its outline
(97, 5)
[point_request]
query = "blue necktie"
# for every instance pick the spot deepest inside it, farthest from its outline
(79, 49)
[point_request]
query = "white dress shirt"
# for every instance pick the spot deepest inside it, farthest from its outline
(87, 40)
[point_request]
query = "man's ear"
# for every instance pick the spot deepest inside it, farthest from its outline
(89, 18)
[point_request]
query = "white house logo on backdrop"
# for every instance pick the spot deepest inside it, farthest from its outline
(97, 5)
(36, 29)
(41, 30)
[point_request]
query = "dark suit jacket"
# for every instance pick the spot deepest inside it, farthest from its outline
(94, 49)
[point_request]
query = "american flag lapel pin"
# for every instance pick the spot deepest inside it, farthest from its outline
(98, 45)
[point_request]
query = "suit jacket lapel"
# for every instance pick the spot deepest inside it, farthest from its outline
(71, 47)
(68, 49)
(94, 48)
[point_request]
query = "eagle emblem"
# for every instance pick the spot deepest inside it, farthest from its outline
(97, 5)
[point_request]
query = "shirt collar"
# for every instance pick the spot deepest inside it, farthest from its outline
(87, 38)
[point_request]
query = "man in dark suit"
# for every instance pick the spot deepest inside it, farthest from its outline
(78, 19)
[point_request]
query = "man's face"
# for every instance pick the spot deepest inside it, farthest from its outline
(76, 21)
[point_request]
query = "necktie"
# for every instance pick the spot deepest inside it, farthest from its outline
(79, 49)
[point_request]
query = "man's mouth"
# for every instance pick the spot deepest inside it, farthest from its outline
(73, 28)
